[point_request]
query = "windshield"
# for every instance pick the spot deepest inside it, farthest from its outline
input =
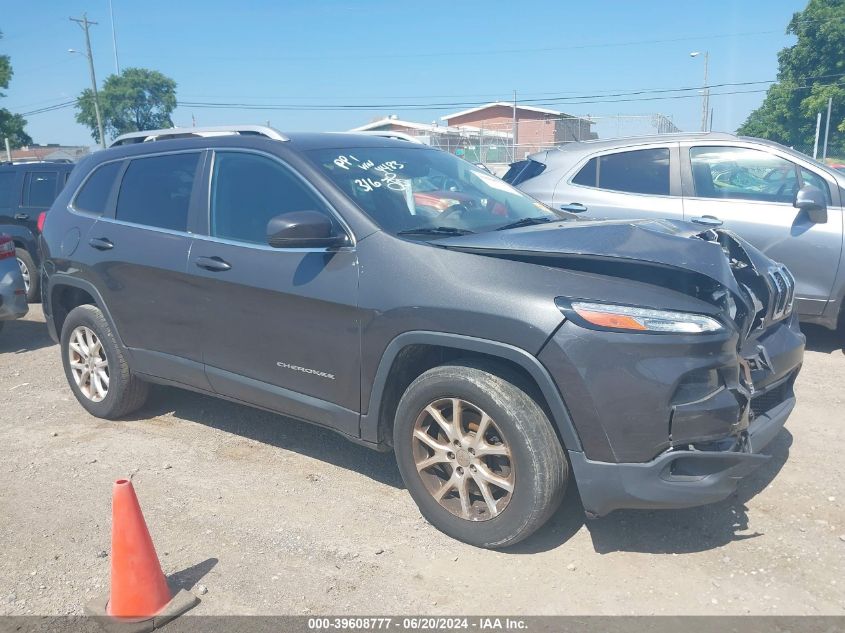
(410, 189)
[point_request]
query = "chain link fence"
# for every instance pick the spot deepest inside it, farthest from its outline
(502, 142)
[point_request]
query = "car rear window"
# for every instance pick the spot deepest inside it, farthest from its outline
(523, 170)
(39, 189)
(643, 171)
(156, 191)
(94, 195)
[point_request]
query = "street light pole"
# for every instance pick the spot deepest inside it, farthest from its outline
(705, 93)
(114, 39)
(84, 23)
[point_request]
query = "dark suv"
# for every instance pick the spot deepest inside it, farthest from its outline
(500, 348)
(26, 192)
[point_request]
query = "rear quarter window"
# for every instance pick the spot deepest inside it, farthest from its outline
(94, 194)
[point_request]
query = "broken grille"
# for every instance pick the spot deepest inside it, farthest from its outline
(769, 400)
(784, 292)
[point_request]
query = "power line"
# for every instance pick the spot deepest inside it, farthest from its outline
(626, 97)
(579, 100)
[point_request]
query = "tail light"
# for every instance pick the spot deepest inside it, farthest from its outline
(7, 247)
(41, 217)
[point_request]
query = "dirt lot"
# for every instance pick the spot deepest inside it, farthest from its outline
(261, 514)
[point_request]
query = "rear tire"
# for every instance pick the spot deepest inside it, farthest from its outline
(30, 274)
(518, 458)
(96, 369)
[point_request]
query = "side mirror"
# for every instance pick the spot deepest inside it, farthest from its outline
(812, 201)
(303, 229)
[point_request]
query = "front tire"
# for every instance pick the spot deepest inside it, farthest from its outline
(95, 367)
(478, 454)
(29, 272)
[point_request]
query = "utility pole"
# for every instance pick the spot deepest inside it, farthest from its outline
(513, 128)
(114, 39)
(827, 128)
(706, 109)
(818, 129)
(84, 23)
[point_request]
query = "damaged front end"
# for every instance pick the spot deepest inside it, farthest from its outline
(665, 419)
(759, 381)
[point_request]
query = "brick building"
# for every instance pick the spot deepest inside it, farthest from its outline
(536, 128)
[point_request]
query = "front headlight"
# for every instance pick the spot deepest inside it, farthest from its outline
(615, 317)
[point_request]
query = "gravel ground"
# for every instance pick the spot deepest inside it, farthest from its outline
(258, 514)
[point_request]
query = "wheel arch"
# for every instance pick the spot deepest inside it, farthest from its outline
(411, 353)
(66, 293)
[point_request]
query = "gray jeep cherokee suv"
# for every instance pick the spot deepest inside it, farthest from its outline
(501, 349)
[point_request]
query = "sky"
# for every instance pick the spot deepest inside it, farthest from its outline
(437, 56)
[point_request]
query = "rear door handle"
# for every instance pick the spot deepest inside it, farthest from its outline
(21, 216)
(707, 220)
(101, 243)
(573, 207)
(214, 264)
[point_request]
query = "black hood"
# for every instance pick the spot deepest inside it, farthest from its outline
(626, 246)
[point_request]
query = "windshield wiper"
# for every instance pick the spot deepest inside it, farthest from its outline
(540, 219)
(435, 230)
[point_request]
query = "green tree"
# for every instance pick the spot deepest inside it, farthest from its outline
(137, 99)
(11, 125)
(809, 72)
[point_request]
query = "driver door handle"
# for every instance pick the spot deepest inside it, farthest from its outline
(573, 207)
(214, 264)
(707, 220)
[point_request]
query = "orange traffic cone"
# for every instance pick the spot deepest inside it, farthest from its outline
(138, 587)
(139, 591)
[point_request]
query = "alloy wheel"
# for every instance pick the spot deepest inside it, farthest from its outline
(24, 273)
(463, 459)
(88, 363)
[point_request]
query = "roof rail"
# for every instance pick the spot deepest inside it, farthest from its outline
(402, 136)
(190, 132)
(35, 161)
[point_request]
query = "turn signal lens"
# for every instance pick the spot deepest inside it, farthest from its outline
(644, 319)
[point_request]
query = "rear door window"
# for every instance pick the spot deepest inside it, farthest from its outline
(644, 171)
(639, 171)
(94, 195)
(156, 191)
(39, 189)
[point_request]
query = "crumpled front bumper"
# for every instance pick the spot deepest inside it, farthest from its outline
(674, 421)
(677, 478)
